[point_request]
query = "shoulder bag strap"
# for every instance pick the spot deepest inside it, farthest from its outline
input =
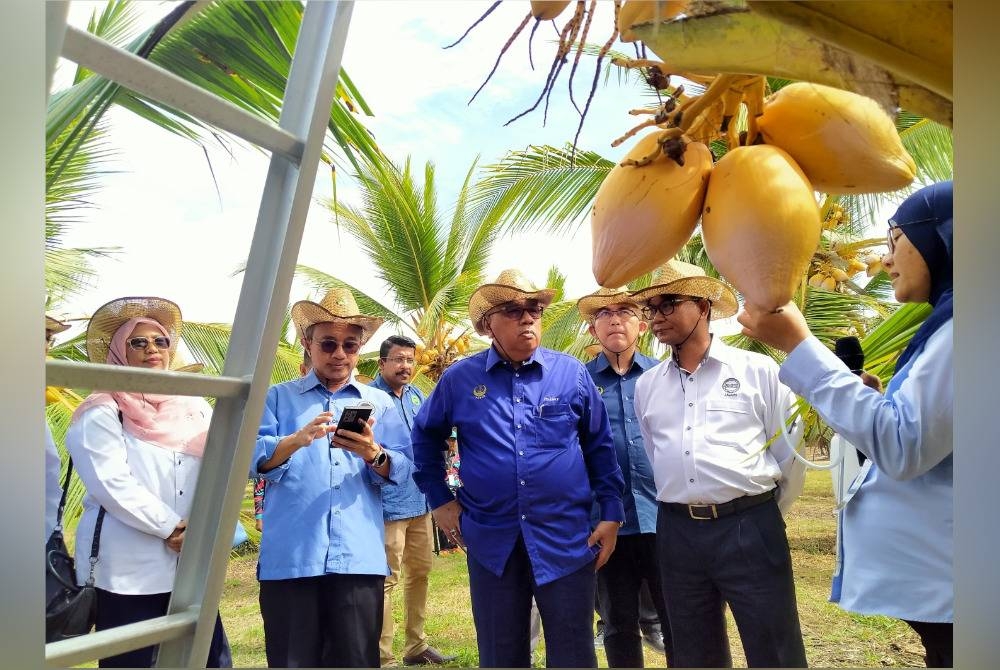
(96, 545)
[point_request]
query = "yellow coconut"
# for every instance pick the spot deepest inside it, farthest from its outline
(642, 216)
(635, 12)
(546, 10)
(761, 223)
(844, 142)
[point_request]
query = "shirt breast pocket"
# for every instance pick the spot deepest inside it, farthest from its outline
(555, 424)
(732, 423)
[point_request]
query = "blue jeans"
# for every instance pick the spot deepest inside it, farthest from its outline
(501, 609)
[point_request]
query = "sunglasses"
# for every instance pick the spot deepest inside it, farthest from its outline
(331, 346)
(665, 308)
(516, 312)
(142, 343)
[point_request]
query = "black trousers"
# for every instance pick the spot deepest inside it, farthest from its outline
(619, 585)
(330, 621)
(501, 608)
(741, 559)
(938, 641)
(116, 609)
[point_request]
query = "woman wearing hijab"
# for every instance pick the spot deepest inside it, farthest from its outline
(138, 454)
(896, 551)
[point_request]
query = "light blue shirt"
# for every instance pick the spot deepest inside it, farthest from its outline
(324, 505)
(536, 451)
(404, 501)
(897, 530)
(618, 393)
(53, 487)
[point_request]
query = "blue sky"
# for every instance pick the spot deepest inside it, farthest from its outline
(182, 240)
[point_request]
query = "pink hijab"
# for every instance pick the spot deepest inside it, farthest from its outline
(176, 423)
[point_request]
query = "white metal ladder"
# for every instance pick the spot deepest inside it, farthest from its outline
(185, 633)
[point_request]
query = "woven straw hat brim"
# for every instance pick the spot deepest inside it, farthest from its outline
(109, 317)
(488, 296)
(54, 325)
(588, 305)
(306, 313)
(724, 303)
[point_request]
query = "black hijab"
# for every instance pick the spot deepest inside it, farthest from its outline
(926, 219)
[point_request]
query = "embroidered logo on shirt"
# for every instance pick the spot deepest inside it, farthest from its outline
(600, 390)
(415, 399)
(730, 387)
(479, 392)
(550, 398)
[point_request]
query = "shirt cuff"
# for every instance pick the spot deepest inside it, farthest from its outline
(805, 366)
(613, 510)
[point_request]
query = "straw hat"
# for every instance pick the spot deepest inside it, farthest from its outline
(54, 325)
(109, 318)
(338, 305)
(511, 285)
(679, 278)
(590, 304)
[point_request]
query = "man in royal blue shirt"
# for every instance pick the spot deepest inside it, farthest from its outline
(322, 561)
(409, 533)
(613, 318)
(537, 452)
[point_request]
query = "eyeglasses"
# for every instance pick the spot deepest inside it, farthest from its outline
(665, 308)
(331, 346)
(400, 360)
(889, 239)
(142, 343)
(516, 312)
(620, 313)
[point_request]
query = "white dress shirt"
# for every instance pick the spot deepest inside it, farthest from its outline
(146, 491)
(53, 487)
(705, 430)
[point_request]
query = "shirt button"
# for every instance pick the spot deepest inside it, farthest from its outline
(337, 486)
(336, 462)
(688, 428)
(686, 453)
(631, 441)
(628, 420)
(522, 482)
(519, 426)
(523, 517)
(520, 453)
(690, 379)
(337, 512)
(691, 480)
(690, 404)
(180, 493)
(517, 400)
(516, 374)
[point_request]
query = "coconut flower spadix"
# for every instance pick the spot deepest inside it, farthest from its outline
(761, 224)
(642, 216)
(844, 142)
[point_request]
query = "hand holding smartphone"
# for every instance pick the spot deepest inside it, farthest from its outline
(353, 418)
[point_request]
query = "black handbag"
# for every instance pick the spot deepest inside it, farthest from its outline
(70, 610)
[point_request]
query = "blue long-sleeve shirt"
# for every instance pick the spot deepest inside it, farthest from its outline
(324, 505)
(536, 451)
(618, 393)
(404, 501)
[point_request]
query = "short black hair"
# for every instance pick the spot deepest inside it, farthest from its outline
(395, 341)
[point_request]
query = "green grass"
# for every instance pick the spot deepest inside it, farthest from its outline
(833, 638)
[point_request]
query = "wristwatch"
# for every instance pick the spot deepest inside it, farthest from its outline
(381, 458)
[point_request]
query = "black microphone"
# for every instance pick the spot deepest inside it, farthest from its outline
(848, 349)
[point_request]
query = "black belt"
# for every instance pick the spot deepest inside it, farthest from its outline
(718, 510)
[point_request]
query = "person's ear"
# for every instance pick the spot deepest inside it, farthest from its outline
(592, 330)
(304, 342)
(643, 326)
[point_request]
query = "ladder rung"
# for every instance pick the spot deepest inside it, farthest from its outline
(73, 374)
(118, 640)
(154, 82)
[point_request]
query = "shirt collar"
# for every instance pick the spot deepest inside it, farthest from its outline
(311, 381)
(644, 362)
(494, 358)
(717, 350)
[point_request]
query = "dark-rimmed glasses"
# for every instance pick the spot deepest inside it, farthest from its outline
(400, 360)
(622, 314)
(516, 312)
(665, 308)
(142, 343)
(890, 241)
(331, 346)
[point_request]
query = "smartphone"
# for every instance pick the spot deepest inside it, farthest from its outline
(354, 418)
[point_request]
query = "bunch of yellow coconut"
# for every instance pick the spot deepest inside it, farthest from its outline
(760, 219)
(442, 353)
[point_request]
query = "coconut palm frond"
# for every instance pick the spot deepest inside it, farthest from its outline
(541, 188)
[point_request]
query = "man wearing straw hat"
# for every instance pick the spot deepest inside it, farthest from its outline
(53, 489)
(536, 451)
(612, 318)
(709, 415)
(322, 561)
